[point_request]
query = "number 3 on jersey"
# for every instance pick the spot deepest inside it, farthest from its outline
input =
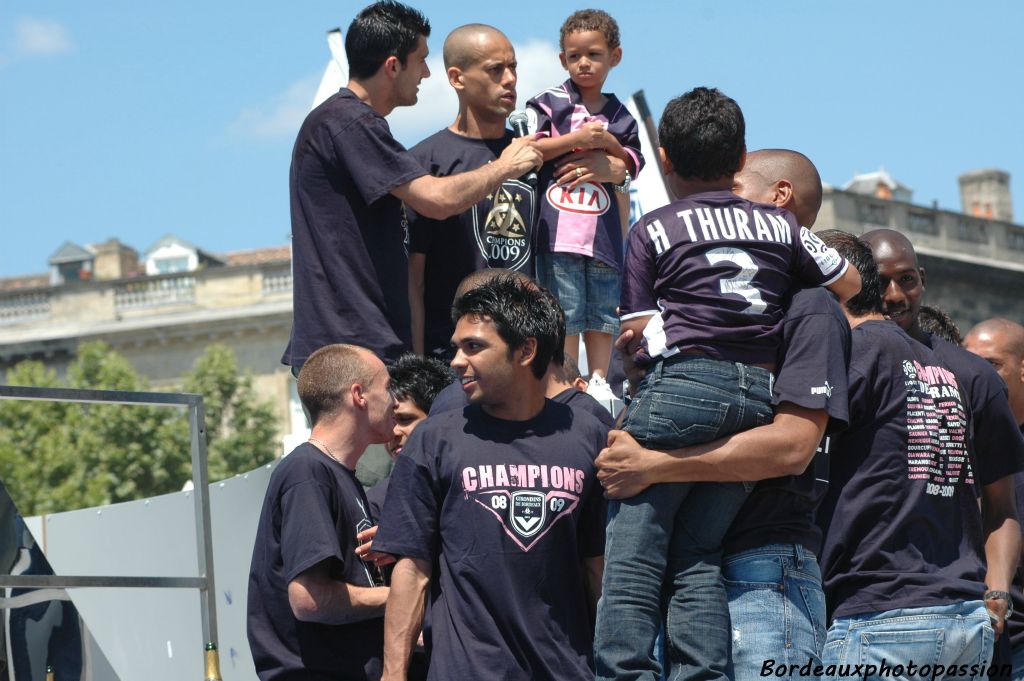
(741, 283)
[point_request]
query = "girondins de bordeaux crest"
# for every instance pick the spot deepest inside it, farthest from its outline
(502, 224)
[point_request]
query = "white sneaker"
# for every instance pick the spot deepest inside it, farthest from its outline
(599, 389)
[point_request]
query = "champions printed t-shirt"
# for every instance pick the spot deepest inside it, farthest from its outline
(496, 232)
(350, 271)
(812, 373)
(713, 269)
(902, 527)
(454, 397)
(312, 511)
(586, 220)
(506, 511)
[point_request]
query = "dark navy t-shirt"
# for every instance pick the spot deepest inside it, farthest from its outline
(312, 511)
(496, 232)
(812, 373)
(713, 269)
(506, 511)
(901, 519)
(349, 267)
(996, 437)
(454, 397)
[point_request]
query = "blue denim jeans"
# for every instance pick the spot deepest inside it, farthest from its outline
(663, 550)
(946, 636)
(777, 608)
(587, 288)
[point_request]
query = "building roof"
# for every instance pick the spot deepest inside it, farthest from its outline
(254, 256)
(28, 281)
(867, 183)
(258, 256)
(70, 252)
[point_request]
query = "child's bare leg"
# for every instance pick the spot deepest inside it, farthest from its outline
(599, 352)
(572, 347)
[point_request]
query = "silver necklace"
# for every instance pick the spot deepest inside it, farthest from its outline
(323, 448)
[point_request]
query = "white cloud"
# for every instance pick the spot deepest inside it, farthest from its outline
(539, 68)
(279, 117)
(40, 37)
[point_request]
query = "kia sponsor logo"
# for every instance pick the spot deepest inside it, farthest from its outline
(587, 199)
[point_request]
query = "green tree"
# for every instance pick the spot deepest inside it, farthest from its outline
(58, 456)
(241, 433)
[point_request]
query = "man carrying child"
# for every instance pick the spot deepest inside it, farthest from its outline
(704, 280)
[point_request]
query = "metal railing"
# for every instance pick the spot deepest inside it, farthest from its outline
(204, 537)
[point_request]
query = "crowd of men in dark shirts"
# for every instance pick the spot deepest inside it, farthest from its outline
(880, 541)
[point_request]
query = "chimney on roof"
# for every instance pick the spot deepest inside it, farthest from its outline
(986, 194)
(115, 260)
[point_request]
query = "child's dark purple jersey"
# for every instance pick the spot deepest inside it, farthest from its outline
(586, 220)
(713, 269)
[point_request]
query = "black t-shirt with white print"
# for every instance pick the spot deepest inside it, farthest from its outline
(901, 519)
(312, 511)
(507, 511)
(496, 232)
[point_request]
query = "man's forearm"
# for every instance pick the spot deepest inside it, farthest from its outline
(404, 618)
(328, 601)
(784, 447)
(1002, 533)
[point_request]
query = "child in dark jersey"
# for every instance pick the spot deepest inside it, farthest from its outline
(704, 280)
(580, 228)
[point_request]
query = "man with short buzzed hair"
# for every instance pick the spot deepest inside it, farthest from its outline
(1001, 342)
(316, 601)
(480, 64)
(782, 177)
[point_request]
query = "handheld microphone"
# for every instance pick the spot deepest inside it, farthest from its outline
(519, 121)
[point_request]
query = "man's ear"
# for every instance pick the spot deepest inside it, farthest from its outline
(357, 393)
(526, 352)
(924, 278)
(455, 77)
(666, 163)
(615, 57)
(392, 66)
(782, 195)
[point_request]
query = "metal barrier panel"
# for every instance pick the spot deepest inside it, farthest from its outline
(202, 538)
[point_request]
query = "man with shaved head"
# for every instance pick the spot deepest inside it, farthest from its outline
(784, 178)
(1001, 343)
(480, 64)
(996, 443)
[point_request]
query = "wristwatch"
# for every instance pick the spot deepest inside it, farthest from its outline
(624, 187)
(1000, 595)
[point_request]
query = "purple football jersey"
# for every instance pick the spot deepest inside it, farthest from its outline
(586, 220)
(713, 269)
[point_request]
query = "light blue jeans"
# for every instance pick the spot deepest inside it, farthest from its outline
(935, 640)
(777, 608)
(663, 550)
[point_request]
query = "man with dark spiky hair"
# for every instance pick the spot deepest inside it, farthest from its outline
(415, 382)
(907, 551)
(349, 178)
(497, 509)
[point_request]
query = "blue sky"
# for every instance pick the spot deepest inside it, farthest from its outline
(138, 119)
